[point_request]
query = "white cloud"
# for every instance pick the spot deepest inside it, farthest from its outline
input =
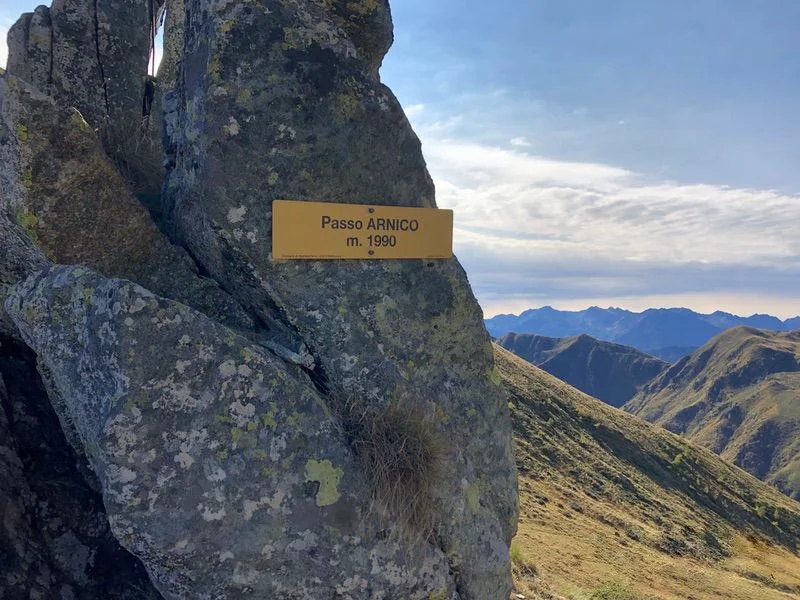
(520, 142)
(414, 110)
(531, 230)
(504, 198)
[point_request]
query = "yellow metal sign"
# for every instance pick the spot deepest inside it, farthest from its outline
(320, 230)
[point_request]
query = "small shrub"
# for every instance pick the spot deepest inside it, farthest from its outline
(403, 457)
(614, 590)
(521, 566)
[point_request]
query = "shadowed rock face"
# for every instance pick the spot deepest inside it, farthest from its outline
(64, 192)
(280, 100)
(55, 542)
(54, 536)
(19, 258)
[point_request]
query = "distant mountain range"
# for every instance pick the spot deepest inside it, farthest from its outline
(738, 395)
(668, 333)
(610, 372)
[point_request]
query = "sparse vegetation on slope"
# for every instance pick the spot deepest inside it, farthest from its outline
(606, 497)
(738, 395)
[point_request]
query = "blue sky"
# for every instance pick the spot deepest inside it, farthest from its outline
(614, 153)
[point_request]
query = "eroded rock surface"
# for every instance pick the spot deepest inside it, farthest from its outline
(59, 186)
(19, 258)
(281, 100)
(221, 468)
(87, 54)
(55, 542)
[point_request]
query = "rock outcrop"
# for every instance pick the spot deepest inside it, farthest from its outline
(88, 54)
(20, 258)
(61, 188)
(93, 55)
(282, 100)
(55, 542)
(306, 429)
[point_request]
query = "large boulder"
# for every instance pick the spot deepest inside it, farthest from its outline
(55, 542)
(221, 466)
(281, 100)
(61, 189)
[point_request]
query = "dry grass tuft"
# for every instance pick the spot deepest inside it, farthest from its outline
(402, 457)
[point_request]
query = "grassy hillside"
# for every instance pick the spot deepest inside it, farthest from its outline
(609, 372)
(606, 497)
(738, 395)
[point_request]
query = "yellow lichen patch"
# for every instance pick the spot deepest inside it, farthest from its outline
(22, 132)
(328, 477)
(242, 438)
(438, 594)
(215, 68)
(27, 178)
(29, 222)
(495, 377)
(362, 7)
(345, 106)
(244, 96)
(269, 417)
(473, 495)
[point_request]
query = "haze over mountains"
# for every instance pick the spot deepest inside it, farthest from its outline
(738, 395)
(667, 333)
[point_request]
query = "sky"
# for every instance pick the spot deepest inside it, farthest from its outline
(618, 153)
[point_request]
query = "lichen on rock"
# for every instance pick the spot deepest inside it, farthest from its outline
(215, 498)
(284, 430)
(67, 195)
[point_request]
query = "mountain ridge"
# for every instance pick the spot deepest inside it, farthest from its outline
(608, 371)
(667, 333)
(738, 395)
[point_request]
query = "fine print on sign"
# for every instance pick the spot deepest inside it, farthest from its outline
(321, 230)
